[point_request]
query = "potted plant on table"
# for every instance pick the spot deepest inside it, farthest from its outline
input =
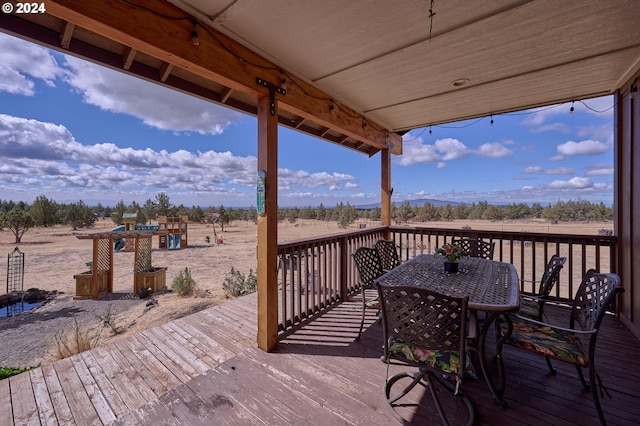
(452, 253)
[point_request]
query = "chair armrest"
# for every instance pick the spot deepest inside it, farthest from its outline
(555, 327)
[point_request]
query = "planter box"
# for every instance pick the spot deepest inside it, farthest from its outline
(155, 280)
(85, 287)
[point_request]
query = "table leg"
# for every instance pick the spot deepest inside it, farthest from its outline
(498, 392)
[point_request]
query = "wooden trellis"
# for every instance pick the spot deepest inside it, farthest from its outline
(15, 271)
(99, 280)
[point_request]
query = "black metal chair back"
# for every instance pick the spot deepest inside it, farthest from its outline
(369, 268)
(475, 248)
(427, 330)
(388, 254)
(594, 295)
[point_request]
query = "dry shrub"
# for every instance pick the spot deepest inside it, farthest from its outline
(71, 340)
(75, 338)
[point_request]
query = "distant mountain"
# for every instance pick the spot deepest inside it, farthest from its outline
(413, 203)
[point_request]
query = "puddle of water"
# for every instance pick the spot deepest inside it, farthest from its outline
(18, 308)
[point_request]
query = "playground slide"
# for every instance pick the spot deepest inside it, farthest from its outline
(118, 243)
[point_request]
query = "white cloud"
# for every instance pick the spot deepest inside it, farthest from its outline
(533, 169)
(163, 109)
(551, 127)
(493, 150)
(416, 152)
(600, 170)
(451, 149)
(588, 147)
(573, 183)
(21, 62)
(560, 171)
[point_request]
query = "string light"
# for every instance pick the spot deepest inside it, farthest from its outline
(430, 131)
(194, 35)
(572, 108)
(492, 121)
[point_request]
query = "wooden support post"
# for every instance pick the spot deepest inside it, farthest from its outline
(268, 226)
(110, 286)
(385, 184)
(94, 269)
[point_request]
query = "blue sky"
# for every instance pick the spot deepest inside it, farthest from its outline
(72, 130)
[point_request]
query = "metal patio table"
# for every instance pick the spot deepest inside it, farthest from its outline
(492, 288)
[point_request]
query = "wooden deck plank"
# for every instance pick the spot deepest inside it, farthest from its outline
(152, 414)
(97, 398)
(187, 358)
(291, 386)
(81, 407)
(25, 410)
(318, 375)
(58, 398)
(231, 327)
(6, 413)
(132, 373)
(182, 336)
(217, 351)
(129, 393)
(213, 330)
(111, 394)
(142, 368)
(171, 363)
(165, 376)
(45, 407)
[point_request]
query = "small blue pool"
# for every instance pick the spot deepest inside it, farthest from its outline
(18, 308)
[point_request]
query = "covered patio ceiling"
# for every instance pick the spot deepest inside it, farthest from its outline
(358, 73)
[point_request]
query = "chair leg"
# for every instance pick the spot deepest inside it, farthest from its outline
(430, 378)
(553, 370)
(364, 308)
(585, 385)
(594, 393)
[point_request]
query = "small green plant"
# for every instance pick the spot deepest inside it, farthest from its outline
(184, 283)
(12, 371)
(236, 284)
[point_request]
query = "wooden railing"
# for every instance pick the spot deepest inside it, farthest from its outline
(316, 273)
(527, 251)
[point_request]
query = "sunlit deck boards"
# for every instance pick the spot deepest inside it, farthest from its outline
(204, 369)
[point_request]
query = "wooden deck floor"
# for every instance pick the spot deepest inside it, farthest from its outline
(204, 369)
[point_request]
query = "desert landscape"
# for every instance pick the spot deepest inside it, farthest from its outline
(54, 255)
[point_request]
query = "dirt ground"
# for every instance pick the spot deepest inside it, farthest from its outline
(54, 255)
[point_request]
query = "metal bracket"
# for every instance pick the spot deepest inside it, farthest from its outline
(273, 89)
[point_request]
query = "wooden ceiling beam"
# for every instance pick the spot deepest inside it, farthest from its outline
(165, 71)
(164, 31)
(66, 34)
(128, 57)
(225, 94)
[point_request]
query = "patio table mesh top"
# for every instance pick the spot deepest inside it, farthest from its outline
(490, 285)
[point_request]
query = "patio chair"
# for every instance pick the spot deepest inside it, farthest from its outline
(388, 254)
(369, 268)
(595, 293)
(427, 330)
(475, 248)
(531, 304)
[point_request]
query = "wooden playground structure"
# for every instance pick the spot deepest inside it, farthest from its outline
(173, 232)
(98, 281)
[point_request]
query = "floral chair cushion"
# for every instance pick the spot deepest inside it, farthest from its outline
(447, 361)
(529, 307)
(548, 341)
